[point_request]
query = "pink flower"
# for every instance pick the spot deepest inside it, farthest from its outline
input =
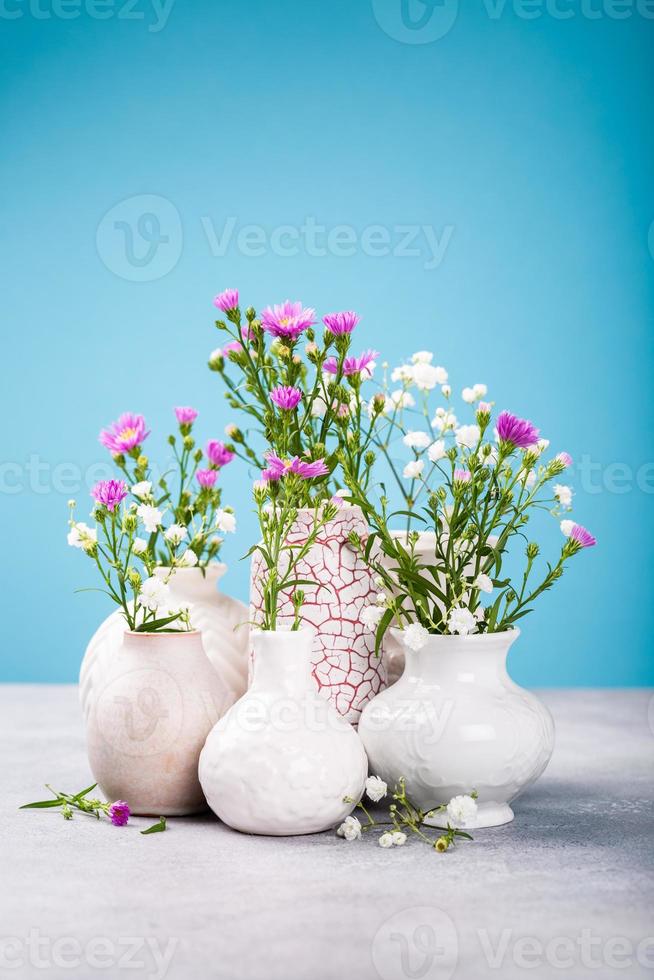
(288, 320)
(233, 345)
(206, 478)
(351, 365)
(218, 454)
(484, 408)
(186, 415)
(340, 323)
(519, 433)
(583, 537)
(565, 459)
(110, 493)
(285, 397)
(277, 468)
(118, 813)
(125, 434)
(462, 476)
(227, 300)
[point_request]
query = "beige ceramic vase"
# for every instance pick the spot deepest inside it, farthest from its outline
(148, 720)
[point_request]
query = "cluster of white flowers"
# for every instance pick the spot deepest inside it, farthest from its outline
(462, 811)
(82, 536)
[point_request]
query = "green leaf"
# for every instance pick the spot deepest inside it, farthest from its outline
(41, 804)
(156, 828)
(83, 793)
(381, 629)
(156, 624)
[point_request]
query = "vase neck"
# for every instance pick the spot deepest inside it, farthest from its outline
(282, 662)
(467, 659)
(182, 643)
(193, 584)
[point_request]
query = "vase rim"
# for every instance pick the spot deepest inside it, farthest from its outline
(471, 639)
(172, 634)
(214, 570)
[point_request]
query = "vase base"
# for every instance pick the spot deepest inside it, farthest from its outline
(488, 815)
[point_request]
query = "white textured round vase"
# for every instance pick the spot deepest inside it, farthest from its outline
(282, 760)
(455, 722)
(218, 617)
(345, 667)
(148, 720)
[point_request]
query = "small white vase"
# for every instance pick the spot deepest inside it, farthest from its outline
(455, 722)
(217, 616)
(149, 719)
(282, 760)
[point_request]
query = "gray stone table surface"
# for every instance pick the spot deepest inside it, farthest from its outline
(566, 890)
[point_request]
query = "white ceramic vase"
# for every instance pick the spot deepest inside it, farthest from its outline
(282, 760)
(345, 667)
(149, 717)
(455, 722)
(217, 616)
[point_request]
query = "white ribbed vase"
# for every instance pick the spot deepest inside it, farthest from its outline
(148, 720)
(215, 615)
(345, 668)
(455, 722)
(282, 760)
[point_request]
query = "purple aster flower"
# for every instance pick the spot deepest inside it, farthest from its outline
(234, 345)
(125, 434)
(462, 476)
(565, 459)
(218, 454)
(285, 397)
(288, 320)
(516, 432)
(118, 813)
(206, 478)
(110, 493)
(583, 537)
(275, 469)
(186, 415)
(309, 471)
(340, 323)
(227, 300)
(351, 365)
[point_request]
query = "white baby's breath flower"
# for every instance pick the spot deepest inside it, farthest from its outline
(415, 636)
(350, 829)
(563, 494)
(381, 598)
(413, 469)
(530, 480)
(540, 446)
(376, 788)
(436, 451)
(462, 811)
(81, 536)
(371, 616)
(480, 390)
(422, 357)
(441, 378)
(446, 390)
(426, 376)
(444, 420)
(142, 490)
(416, 440)
(151, 517)
(399, 838)
(402, 374)
(566, 527)
(461, 621)
(225, 521)
(483, 582)
(318, 408)
(188, 560)
(402, 399)
(139, 546)
(154, 593)
(468, 395)
(386, 840)
(480, 614)
(176, 533)
(468, 436)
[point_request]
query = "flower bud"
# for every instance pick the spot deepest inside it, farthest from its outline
(189, 442)
(130, 523)
(134, 579)
(216, 360)
(442, 844)
(142, 462)
(234, 433)
(532, 550)
(250, 314)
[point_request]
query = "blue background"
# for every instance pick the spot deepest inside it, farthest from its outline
(531, 138)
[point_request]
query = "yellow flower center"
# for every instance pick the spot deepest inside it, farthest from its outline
(128, 434)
